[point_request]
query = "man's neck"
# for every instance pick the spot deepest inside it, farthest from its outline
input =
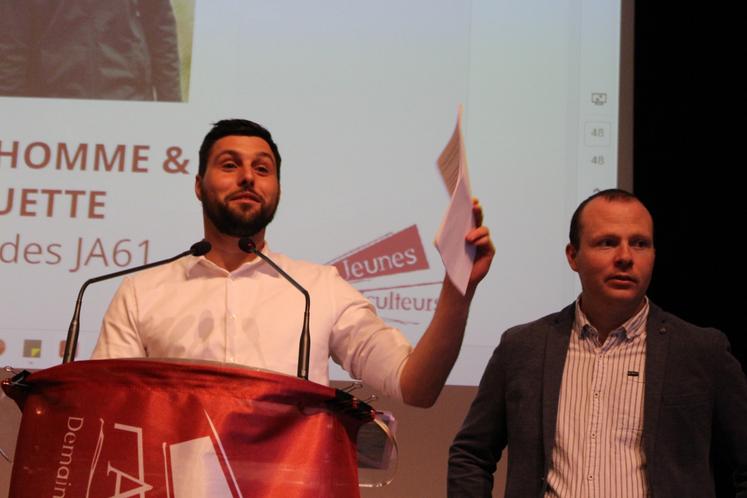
(225, 250)
(605, 317)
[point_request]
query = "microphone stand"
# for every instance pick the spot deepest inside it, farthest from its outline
(71, 343)
(247, 245)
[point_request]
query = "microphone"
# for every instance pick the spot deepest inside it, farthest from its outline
(247, 245)
(197, 249)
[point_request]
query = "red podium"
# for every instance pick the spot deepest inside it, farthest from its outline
(145, 428)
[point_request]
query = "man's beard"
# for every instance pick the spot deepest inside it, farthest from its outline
(237, 223)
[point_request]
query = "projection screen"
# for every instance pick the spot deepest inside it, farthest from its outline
(360, 96)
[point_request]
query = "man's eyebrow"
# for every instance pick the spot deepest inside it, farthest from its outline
(233, 154)
(267, 155)
(642, 236)
(605, 235)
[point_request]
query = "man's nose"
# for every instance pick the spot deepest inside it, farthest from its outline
(246, 176)
(624, 256)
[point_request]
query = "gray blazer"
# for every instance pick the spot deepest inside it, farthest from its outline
(695, 396)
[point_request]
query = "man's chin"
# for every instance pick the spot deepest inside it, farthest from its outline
(242, 220)
(243, 213)
(624, 297)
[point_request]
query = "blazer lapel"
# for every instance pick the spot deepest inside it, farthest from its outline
(556, 348)
(657, 349)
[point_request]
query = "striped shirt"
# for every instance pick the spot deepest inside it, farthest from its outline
(598, 450)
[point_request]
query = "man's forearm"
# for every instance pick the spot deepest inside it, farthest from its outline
(430, 363)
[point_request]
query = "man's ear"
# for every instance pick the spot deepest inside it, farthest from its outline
(198, 187)
(570, 254)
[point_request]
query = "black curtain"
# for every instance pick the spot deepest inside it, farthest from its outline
(689, 122)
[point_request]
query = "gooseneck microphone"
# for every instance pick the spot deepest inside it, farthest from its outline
(71, 344)
(247, 245)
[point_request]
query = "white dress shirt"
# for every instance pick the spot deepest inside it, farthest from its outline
(192, 308)
(598, 451)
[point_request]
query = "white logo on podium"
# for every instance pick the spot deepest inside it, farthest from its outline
(194, 469)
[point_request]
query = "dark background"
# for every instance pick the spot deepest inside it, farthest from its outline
(688, 113)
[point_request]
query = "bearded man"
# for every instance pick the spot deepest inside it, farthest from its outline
(231, 306)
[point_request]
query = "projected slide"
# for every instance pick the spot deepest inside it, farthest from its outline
(102, 116)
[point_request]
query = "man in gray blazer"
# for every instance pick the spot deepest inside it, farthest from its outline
(612, 396)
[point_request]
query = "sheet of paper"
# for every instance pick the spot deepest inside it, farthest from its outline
(456, 254)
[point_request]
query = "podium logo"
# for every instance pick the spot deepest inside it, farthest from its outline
(192, 468)
(32, 348)
(399, 252)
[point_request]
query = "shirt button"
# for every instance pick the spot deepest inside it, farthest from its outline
(591, 478)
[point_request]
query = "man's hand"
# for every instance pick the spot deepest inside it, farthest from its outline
(430, 363)
(484, 249)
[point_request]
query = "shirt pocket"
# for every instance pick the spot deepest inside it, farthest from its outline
(628, 404)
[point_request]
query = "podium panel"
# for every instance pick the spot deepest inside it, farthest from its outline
(116, 428)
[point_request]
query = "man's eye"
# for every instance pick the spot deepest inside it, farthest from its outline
(229, 165)
(607, 243)
(262, 169)
(641, 244)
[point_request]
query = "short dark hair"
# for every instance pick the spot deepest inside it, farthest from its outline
(229, 127)
(611, 194)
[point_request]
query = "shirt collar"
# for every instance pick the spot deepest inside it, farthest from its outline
(633, 326)
(195, 266)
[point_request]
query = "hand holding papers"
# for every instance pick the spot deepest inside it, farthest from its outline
(467, 251)
(456, 253)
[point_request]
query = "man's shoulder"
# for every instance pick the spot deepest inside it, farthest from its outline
(283, 260)
(174, 270)
(661, 321)
(290, 264)
(308, 273)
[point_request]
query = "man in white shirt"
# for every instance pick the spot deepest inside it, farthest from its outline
(231, 306)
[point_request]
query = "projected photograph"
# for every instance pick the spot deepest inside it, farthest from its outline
(114, 50)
